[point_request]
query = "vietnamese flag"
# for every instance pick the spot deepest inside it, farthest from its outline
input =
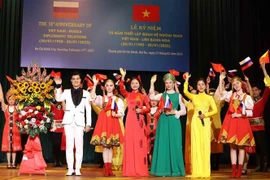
(143, 13)
(265, 57)
(218, 67)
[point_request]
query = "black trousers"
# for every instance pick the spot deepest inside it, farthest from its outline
(261, 145)
(58, 154)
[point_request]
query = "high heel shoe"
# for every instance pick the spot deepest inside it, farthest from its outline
(244, 172)
(14, 166)
(9, 166)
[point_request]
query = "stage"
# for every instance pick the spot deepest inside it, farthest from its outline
(92, 171)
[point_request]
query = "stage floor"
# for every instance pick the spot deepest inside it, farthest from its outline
(91, 171)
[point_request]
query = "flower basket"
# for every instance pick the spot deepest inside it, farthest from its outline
(34, 93)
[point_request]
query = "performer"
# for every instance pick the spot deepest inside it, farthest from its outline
(57, 132)
(11, 139)
(236, 129)
(77, 100)
(108, 131)
(152, 120)
(168, 156)
(216, 148)
(257, 126)
(135, 147)
(200, 129)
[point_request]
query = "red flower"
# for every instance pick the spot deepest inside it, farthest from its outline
(42, 109)
(39, 115)
(37, 122)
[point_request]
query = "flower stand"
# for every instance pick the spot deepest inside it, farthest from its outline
(32, 161)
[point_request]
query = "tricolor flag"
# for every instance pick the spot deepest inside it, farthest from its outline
(265, 57)
(211, 73)
(117, 76)
(232, 72)
(246, 63)
(114, 106)
(168, 103)
(218, 67)
(143, 13)
(65, 9)
(242, 107)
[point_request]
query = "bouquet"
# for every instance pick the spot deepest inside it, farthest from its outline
(34, 92)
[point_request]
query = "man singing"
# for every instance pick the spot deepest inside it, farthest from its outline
(77, 100)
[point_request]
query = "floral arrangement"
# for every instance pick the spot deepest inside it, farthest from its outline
(34, 92)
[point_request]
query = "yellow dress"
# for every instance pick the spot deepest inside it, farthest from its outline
(190, 112)
(215, 128)
(267, 81)
(200, 135)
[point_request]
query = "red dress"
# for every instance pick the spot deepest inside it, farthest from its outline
(58, 118)
(237, 130)
(11, 139)
(152, 120)
(108, 130)
(135, 146)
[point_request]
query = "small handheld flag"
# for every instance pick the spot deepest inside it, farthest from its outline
(218, 67)
(242, 107)
(246, 63)
(265, 58)
(117, 76)
(56, 74)
(174, 72)
(232, 72)
(168, 103)
(114, 106)
(211, 73)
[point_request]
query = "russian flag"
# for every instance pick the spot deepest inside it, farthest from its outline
(242, 107)
(246, 63)
(211, 73)
(168, 103)
(232, 72)
(65, 9)
(114, 106)
(117, 76)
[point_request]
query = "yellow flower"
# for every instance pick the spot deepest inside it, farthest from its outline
(43, 85)
(26, 84)
(49, 96)
(23, 90)
(41, 98)
(19, 85)
(34, 84)
(37, 90)
(50, 82)
(30, 89)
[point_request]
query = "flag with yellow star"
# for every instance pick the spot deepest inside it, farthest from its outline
(144, 13)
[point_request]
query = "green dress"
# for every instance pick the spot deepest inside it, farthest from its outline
(168, 154)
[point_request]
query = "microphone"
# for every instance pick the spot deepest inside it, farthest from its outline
(200, 113)
(138, 116)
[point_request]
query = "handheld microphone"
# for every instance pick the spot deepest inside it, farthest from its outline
(138, 116)
(200, 113)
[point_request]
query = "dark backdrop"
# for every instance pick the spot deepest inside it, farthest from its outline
(224, 31)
